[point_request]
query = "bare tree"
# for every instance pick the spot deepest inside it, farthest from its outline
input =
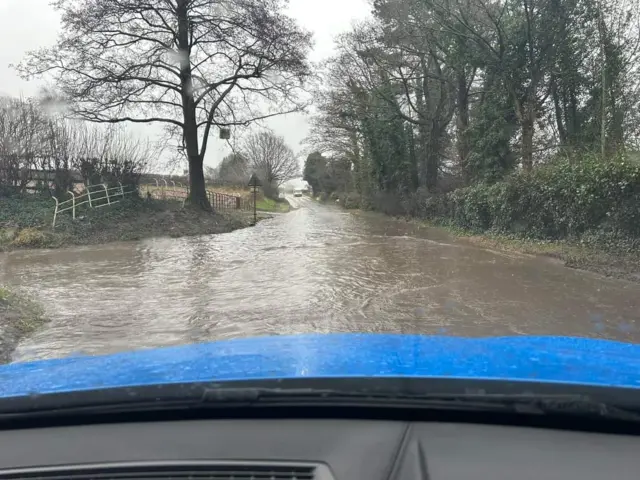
(100, 154)
(210, 174)
(188, 64)
(21, 138)
(234, 169)
(271, 159)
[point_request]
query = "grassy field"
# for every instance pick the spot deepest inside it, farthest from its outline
(269, 205)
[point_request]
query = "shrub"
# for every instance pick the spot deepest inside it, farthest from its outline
(555, 201)
(29, 238)
(7, 235)
(350, 201)
(386, 202)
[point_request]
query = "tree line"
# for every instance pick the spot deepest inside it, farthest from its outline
(44, 152)
(425, 96)
(263, 153)
(431, 95)
(196, 67)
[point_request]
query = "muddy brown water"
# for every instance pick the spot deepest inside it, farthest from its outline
(316, 269)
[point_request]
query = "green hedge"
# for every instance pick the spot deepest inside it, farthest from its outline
(552, 202)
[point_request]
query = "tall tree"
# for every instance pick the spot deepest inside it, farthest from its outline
(336, 126)
(315, 172)
(427, 65)
(234, 169)
(188, 64)
(22, 141)
(271, 159)
(460, 91)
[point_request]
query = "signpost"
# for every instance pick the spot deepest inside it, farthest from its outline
(255, 183)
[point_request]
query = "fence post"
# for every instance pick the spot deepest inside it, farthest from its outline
(121, 190)
(73, 203)
(164, 192)
(86, 187)
(55, 213)
(237, 203)
(106, 192)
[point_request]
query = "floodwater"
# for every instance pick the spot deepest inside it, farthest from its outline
(316, 269)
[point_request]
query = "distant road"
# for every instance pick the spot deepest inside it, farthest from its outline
(297, 202)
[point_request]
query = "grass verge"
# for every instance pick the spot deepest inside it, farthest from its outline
(269, 205)
(19, 317)
(27, 223)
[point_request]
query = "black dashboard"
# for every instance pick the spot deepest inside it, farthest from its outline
(319, 449)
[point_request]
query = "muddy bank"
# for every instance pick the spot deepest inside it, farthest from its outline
(126, 221)
(19, 317)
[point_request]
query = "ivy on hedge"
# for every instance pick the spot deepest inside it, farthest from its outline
(554, 201)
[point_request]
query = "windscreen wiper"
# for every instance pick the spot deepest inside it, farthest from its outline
(534, 404)
(228, 397)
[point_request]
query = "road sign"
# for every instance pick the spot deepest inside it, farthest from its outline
(254, 181)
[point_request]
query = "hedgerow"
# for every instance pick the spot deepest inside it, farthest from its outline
(555, 201)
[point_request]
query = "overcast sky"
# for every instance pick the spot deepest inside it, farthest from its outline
(29, 24)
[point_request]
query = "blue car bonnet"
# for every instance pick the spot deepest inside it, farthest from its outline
(545, 359)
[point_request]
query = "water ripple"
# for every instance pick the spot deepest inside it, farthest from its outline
(316, 269)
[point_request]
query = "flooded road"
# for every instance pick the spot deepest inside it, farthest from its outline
(316, 269)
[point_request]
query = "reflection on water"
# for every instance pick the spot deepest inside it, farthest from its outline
(317, 269)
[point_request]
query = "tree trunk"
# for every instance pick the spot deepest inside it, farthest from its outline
(197, 187)
(528, 123)
(356, 162)
(432, 170)
(462, 125)
(414, 180)
(558, 111)
(603, 115)
(433, 161)
(572, 123)
(423, 153)
(617, 121)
